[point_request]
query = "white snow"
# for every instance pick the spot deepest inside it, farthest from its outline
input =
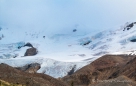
(48, 66)
(59, 53)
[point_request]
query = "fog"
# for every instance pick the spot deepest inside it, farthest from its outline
(65, 15)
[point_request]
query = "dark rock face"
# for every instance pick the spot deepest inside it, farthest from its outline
(31, 52)
(87, 43)
(133, 40)
(30, 68)
(72, 70)
(129, 26)
(44, 37)
(74, 30)
(28, 44)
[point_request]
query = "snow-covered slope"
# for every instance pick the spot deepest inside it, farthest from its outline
(60, 53)
(113, 41)
(48, 66)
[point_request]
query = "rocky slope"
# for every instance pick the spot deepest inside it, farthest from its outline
(105, 68)
(119, 81)
(59, 54)
(108, 70)
(129, 70)
(12, 75)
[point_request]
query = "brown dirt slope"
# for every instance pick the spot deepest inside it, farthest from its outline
(12, 75)
(119, 81)
(129, 70)
(100, 69)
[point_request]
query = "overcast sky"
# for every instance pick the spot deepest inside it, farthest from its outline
(64, 15)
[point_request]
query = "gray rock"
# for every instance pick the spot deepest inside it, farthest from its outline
(31, 52)
(30, 68)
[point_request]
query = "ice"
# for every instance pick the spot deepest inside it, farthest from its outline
(59, 53)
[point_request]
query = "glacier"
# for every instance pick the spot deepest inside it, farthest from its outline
(59, 53)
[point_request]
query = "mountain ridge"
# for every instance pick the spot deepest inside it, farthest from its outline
(61, 52)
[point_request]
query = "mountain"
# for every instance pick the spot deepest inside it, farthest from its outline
(128, 70)
(19, 78)
(63, 54)
(108, 70)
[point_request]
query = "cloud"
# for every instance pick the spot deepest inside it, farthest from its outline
(64, 15)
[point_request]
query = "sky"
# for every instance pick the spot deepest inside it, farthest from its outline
(65, 15)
